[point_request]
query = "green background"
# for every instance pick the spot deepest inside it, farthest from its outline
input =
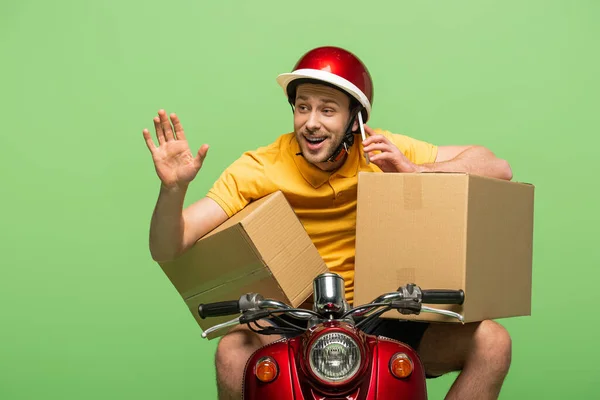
(85, 312)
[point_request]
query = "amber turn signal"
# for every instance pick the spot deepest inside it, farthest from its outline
(266, 370)
(401, 366)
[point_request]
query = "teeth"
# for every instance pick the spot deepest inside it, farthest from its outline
(315, 140)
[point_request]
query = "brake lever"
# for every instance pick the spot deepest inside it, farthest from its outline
(444, 312)
(233, 322)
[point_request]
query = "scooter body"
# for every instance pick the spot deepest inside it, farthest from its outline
(373, 381)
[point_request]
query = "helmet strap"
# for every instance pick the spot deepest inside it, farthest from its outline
(348, 141)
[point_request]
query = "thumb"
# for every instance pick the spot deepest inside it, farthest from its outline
(199, 160)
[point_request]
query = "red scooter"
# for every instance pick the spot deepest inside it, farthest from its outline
(330, 358)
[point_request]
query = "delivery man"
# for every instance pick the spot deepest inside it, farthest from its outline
(316, 167)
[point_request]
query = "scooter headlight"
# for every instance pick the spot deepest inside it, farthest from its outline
(335, 357)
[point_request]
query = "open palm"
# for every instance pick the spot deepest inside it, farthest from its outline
(174, 162)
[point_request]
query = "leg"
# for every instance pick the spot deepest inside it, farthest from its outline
(233, 351)
(481, 350)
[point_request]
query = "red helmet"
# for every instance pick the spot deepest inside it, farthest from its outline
(337, 67)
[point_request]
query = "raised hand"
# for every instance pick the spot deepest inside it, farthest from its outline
(175, 164)
(389, 158)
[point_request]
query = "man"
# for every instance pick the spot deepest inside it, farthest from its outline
(316, 167)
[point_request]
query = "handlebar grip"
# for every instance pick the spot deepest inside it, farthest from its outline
(219, 308)
(435, 296)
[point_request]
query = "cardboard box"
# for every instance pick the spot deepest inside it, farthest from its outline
(446, 231)
(262, 249)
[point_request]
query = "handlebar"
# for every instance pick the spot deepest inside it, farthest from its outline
(435, 296)
(219, 308)
(407, 299)
(249, 302)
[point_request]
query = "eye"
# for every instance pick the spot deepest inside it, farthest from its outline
(301, 108)
(328, 111)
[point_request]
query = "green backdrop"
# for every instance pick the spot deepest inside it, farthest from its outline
(86, 314)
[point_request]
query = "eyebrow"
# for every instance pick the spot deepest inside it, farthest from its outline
(326, 100)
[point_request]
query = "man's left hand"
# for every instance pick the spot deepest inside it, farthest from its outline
(389, 158)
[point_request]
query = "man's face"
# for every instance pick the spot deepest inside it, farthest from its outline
(321, 114)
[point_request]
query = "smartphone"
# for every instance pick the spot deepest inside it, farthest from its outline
(362, 133)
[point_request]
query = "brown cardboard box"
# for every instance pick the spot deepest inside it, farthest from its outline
(263, 249)
(446, 231)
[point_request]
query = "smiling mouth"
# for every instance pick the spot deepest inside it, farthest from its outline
(313, 140)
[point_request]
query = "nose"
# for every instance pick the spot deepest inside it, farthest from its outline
(313, 123)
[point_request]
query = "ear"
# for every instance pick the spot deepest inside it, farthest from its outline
(355, 125)
(357, 109)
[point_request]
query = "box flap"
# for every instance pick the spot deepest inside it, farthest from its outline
(467, 174)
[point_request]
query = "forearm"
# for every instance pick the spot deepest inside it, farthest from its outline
(475, 160)
(167, 225)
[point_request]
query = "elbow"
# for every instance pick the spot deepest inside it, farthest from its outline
(496, 167)
(162, 255)
(164, 248)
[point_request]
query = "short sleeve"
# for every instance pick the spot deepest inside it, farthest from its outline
(417, 151)
(240, 184)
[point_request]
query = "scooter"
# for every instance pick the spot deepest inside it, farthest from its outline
(330, 357)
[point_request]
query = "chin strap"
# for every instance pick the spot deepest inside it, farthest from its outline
(348, 141)
(343, 148)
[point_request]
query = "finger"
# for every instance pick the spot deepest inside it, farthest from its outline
(379, 161)
(179, 135)
(368, 130)
(159, 131)
(378, 146)
(199, 160)
(149, 142)
(166, 125)
(392, 162)
(375, 139)
(379, 157)
(384, 161)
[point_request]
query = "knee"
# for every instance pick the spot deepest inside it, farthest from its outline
(230, 351)
(493, 342)
(223, 355)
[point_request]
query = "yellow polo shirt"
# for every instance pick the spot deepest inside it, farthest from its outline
(325, 202)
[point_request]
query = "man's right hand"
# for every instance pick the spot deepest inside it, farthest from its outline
(175, 164)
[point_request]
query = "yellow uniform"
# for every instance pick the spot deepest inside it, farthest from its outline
(325, 202)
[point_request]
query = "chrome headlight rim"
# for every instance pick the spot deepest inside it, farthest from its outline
(355, 372)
